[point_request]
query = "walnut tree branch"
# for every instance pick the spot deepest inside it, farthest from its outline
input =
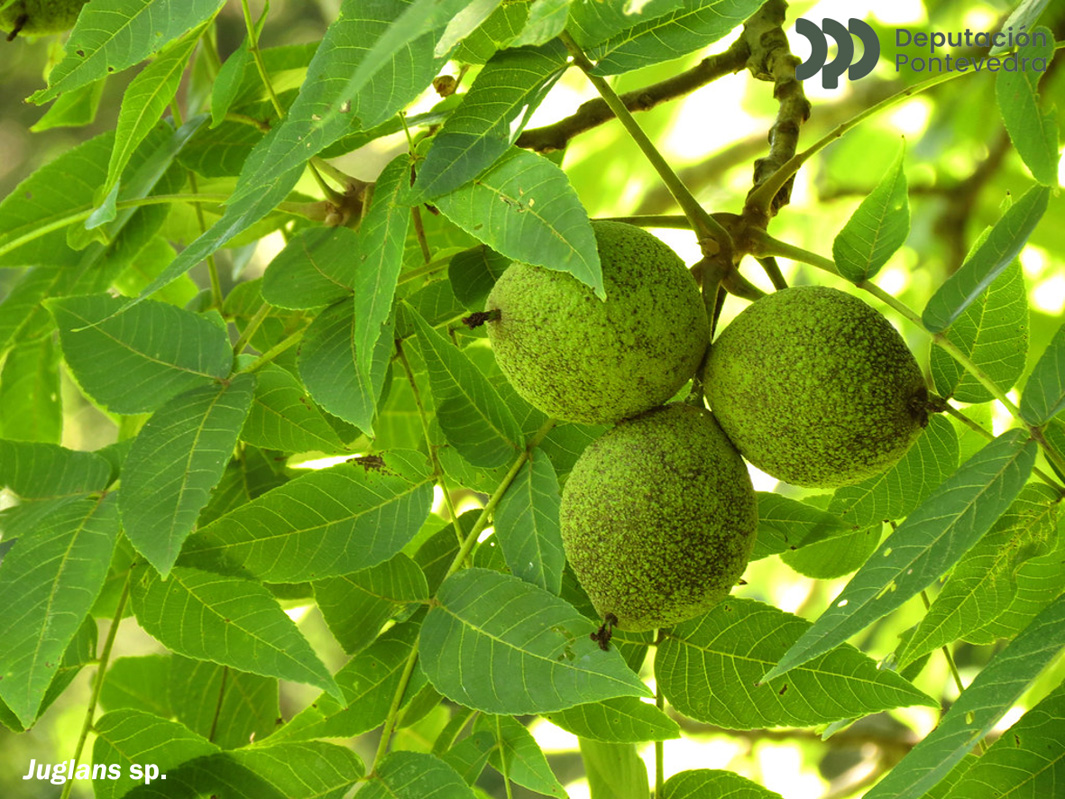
(595, 112)
(771, 59)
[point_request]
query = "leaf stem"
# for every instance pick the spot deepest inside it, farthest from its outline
(256, 54)
(946, 652)
(244, 119)
(456, 564)
(706, 227)
(951, 665)
(1052, 455)
(274, 351)
(218, 704)
(1049, 451)
(978, 373)
(961, 417)
(212, 264)
(217, 300)
(772, 270)
(490, 506)
(210, 49)
(392, 719)
(504, 769)
(419, 231)
(672, 221)
(330, 193)
(98, 682)
(342, 178)
(424, 417)
(431, 267)
(252, 328)
(660, 752)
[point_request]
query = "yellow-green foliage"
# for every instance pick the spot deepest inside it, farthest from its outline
(40, 16)
(816, 388)
(580, 359)
(658, 518)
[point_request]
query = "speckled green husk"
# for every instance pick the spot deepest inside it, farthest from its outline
(658, 518)
(816, 388)
(42, 16)
(580, 359)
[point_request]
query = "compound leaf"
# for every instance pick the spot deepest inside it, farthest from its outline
(896, 492)
(303, 769)
(614, 770)
(36, 470)
(1027, 761)
(145, 101)
(327, 364)
(983, 583)
(699, 783)
(689, 26)
(1034, 132)
(785, 524)
(470, 411)
(231, 707)
(492, 115)
(111, 35)
(316, 268)
(368, 682)
(517, 755)
(356, 605)
(378, 260)
(282, 417)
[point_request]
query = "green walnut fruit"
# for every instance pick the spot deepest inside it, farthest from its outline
(658, 518)
(580, 359)
(39, 16)
(816, 388)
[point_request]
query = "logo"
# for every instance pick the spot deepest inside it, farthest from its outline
(831, 72)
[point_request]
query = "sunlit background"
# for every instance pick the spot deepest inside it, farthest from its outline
(712, 138)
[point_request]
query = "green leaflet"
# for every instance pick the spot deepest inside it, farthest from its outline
(488, 617)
